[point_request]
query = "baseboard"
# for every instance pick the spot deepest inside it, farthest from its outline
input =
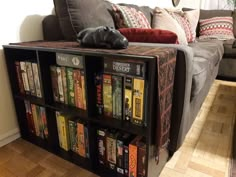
(9, 136)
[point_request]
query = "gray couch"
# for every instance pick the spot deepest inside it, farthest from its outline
(197, 63)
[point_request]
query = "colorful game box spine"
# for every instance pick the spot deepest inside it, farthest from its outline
(44, 122)
(99, 93)
(60, 85)
(73, 136)
(70, 86)
(128, 98)
(138, 99)
(83, 90)
(65, 132)
(126, 159)
(53, 70)
(142, 158)
(59, 130)
(64, 83)
(86, 137)
(37, 80)
(29, 117)
(117, 87)
(30, 78)
(75, 61)
(81, 141)
(107, 95)
(24, 77)
(78, 89)
(19, 77)
(111, 149)
(35, 118)
(101, 135)
(40, 122)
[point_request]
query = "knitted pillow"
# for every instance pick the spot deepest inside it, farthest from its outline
(128, 17)
(217, 28)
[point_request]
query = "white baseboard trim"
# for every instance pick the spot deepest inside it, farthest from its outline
(9, 136)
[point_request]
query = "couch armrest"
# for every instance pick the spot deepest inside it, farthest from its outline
(182, 92)
(51, 28)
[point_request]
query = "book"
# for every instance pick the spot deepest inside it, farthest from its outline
(37, 80)
(117, 87)
(132, 68)
(86, 139)
(44, 122)
(138, 99)
(111, 148)
(142, 157)
(30, 78)
(133, 157)
(81, 140)
(24, 77)
(35, 119)
(83, 90)
(64, 83)
(101, 136)
(78, 89)
(107, 95)
(70, 60)
(126, 158)
(53, 70)
(59, 130)
(29, 117)
(128, 98)
(99, 93)
(60, 85)
(70, 86)
(40, 122)
(73, 136)
(19, 77)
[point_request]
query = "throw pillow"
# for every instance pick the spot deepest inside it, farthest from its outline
(193, 18)
(128, 17)
(163, 20)
(149, 35)
(217, 28)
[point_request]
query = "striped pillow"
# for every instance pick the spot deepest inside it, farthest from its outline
(128, 17)
(217, 28)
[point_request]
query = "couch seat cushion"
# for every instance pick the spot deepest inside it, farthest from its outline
(207, 55)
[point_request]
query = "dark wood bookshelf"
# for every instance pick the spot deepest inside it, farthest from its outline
(45, 57)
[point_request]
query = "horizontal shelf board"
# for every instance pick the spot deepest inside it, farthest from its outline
(73, 111)
(32, 99)
(120, 125)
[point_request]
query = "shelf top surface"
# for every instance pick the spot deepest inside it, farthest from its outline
(147, 52)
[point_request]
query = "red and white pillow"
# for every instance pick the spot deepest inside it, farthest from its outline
(220, 28)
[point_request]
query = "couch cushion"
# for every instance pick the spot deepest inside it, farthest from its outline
(80, 14)
(149, 35)
(207, 55)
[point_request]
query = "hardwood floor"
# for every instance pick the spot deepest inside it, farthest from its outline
(206, 151)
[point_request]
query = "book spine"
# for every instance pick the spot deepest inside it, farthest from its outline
(65, 134)
(78, 88)
(133, 152)
(73, 136)
(84, 98)
(86, 138)
(126, 160)
(138, 97)
(44, 122)
(60, 85)
(81, 141)
(35, 118)
(19, 77)
(120, 156)
(40, 122)
(53, 70)
(142, 160)
(30, 78)
(111, 150)
(24, 77)
(64, 83)
(70, 86)
(29, 117)
(107, 95)
(37, 80)
(59, 129)
(102, 146)
(117, 96)
(99, 93)
(128, 98)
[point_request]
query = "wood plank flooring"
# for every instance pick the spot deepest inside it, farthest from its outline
(206, 150)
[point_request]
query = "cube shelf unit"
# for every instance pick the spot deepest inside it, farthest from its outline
(46, 56)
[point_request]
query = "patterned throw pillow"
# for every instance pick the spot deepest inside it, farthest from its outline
(217, 28)
(127, 17)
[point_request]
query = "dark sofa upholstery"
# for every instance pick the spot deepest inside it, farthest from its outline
(197, 67)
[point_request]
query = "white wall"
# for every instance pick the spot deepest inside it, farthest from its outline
(20, 21)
